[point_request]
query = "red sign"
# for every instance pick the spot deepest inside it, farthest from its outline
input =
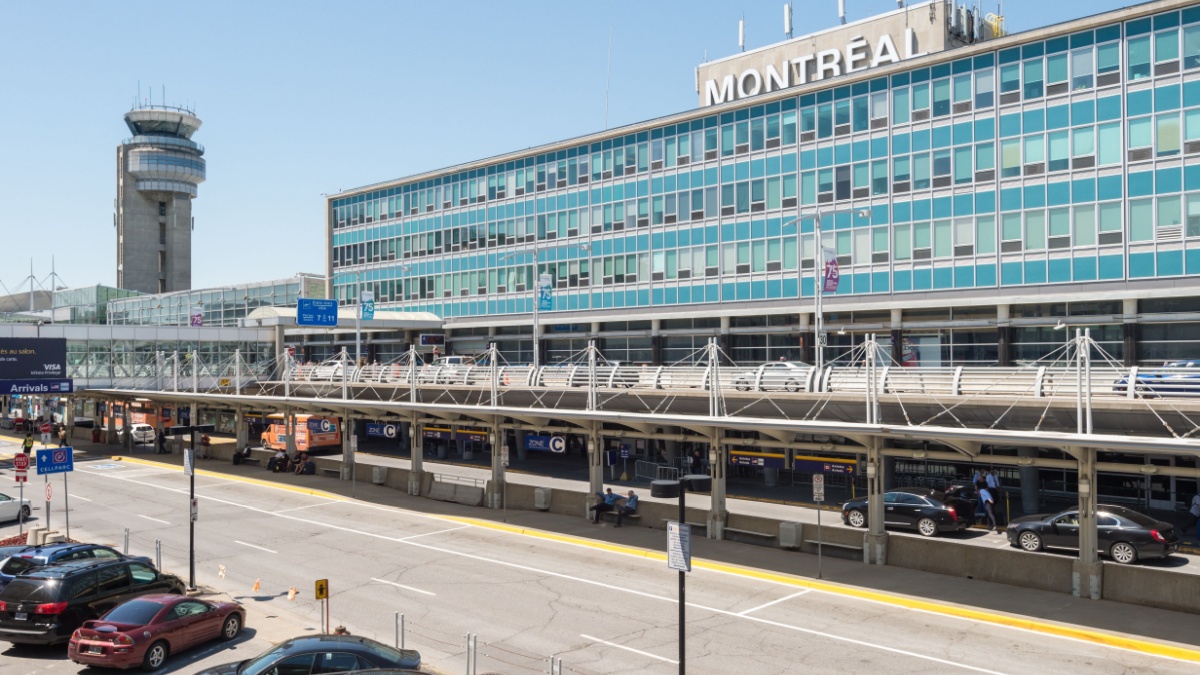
(49, 492)
(45, 428)
(21, 461)
(20, 476)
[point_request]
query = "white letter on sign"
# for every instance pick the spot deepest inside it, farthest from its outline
(719, 95)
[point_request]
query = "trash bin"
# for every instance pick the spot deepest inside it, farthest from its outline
(95, 435)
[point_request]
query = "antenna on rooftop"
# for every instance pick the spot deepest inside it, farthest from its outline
(787, 20)
(842, 11)
(742, 33)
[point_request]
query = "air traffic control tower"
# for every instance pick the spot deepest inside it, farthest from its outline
(158, 171)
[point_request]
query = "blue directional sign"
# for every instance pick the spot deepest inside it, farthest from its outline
(18, 387)
(556, 444)
(381, 430)
(55, 460)
(316, 312)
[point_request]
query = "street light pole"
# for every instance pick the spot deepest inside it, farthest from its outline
(818, 308)
(358, 318)
(537, 301)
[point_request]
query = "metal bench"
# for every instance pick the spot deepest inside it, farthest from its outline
(336, 473)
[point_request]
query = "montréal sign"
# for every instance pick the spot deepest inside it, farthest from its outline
(856, 55)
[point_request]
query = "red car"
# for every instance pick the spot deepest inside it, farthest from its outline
(145, 631)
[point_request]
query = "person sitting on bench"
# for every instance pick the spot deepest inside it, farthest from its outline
(628, 508)
(278, 462)
(608, 502)
(305, 466)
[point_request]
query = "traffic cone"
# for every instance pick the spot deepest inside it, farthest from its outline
(257, 585)
(292, 593)
(221, 571)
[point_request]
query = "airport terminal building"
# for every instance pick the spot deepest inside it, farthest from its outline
(978, 189)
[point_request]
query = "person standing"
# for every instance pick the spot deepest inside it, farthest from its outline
(62, 436)
(27, 444)
(993, 481)
(989, 507)
(1193, 516)
(161, 439)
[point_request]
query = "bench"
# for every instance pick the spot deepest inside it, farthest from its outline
(702, 526)
(255, 461)
(612, 515)
(751, 533)
(336, 473)
(848, 547)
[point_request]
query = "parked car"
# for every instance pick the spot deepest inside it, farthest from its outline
(33, 557)
(322, 654)
(928, 511)
(775, 376)
(1122, 533)
(13, 508)
(1174, 378)
(146, 630)
(142, 433)
(47, 604)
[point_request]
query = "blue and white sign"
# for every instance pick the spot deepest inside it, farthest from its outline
(55, 460)
(624, 451)
(546, 443)
(18, 387)
(545, 300)
(322, 425)
(381, 430)
(316, 312)
(368, 305)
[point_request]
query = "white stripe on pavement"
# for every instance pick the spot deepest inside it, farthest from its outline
(407, 588)
(157, 520)
(78, 497)
(628, 649)
(774, 602)
(254, 546)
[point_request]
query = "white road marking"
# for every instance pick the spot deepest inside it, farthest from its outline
(624, 590)
(157, 520)
(628, 649)
(254, 546)
(407, 588)
(460, 527)
(774, 602)
(306, 507)
(79, 498)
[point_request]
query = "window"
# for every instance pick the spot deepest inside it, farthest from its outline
(964, 236)
(943, 244)
(1170, 211)
(962, 165)
(920, 97)
(1010, 158)
(900, 106)
(985, 157)
(1191, 47)
(1166, 45)
(1141, 220)
(879, 179)
(902, 242)
(941, 97)
(1010, 227)
(1033, 79)
(142, 574)
(1083, 141)
(1108, 58)
(1010, 78)
(1110, 217)
(1059, 157)
(985, 86)
(1139, 58)
(1193, 215)
(1035, 149)
(879, 105)
(1081, 69)
(1167, 135)
(162, 208)
(1109, 142)
(1056, 68)
(962, 88)
(1085, 226)
(1035, 230)
(920, 171)
(985, 235)
(900, 168)
(941, 163)
(1141, 133)
(1060, 228)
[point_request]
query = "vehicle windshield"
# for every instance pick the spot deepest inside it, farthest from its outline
(30, 590)
(17, 565)
(138, 612)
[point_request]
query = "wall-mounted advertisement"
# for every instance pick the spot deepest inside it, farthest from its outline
(33, 358)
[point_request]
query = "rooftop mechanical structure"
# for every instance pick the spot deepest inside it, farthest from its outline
(158, 171)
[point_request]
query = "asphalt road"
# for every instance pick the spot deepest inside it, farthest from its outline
(528, 595)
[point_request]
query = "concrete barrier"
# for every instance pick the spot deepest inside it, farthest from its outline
(1151, 587)
(443, 492)
(836, 542)
(1043, 571)
(468, 495)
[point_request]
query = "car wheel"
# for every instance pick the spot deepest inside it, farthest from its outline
(856, 518)
(156, 656)
(792, 386)
(1030, 541)
(1123, 552)
(231, 627)
(927, 527)
(741, 385)
(25, 512)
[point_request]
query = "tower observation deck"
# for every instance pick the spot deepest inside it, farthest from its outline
(158, 171)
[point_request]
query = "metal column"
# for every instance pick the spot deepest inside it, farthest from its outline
(1087, 572)
(717, 515)
(876, 540)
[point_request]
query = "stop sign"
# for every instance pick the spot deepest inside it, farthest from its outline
(21, 461)
(45, 428)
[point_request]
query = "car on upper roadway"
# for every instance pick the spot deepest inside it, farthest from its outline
(322, 654)
(1173, 378)
(928, 511)
(146, 630)
(13, 508)
(1122, 533)
(775, 376)
(46, 605)
(33, 557)
(142, 433)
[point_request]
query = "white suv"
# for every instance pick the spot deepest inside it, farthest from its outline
(142, 433)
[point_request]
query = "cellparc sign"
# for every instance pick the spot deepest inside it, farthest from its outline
(857, 54)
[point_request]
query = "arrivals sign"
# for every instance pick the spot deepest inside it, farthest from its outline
(32, 358)
(855, 55)
(19, 387)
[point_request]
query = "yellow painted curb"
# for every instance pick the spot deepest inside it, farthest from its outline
(1060, 630)
(233, 477)
(1034, 625)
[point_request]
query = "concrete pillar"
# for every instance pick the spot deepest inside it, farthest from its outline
(521, 451)
(127, 442)
(279, 344)
(805, 339)
(417, 455)
(111, 432)
(771, 476)
(672, 450)
(717, 515)
(240, 428)
(656, 342)
(1131, 330)
(1030, 479)
(1087, 573)
(875, 545)
(463, 445)
(1003, 337)
(595, 463)
(349, 429)
(289, 419)
(495, 487)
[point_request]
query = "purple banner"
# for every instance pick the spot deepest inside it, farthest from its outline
(832, 276)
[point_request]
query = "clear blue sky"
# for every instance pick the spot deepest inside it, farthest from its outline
(301, 98)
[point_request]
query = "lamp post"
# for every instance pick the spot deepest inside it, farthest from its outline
(537, 296)
(679, 488)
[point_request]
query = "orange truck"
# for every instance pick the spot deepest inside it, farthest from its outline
(314, 434)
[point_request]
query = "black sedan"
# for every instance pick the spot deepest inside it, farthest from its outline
(928, 511)
(322, 654)
(1123, 534)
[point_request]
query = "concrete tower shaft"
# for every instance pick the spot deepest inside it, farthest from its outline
(158, 171)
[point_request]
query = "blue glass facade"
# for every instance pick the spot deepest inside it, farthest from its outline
(985, 172)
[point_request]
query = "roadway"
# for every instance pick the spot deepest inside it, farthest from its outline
(599, 598)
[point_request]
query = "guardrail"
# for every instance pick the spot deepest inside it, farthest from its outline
(960, 381)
